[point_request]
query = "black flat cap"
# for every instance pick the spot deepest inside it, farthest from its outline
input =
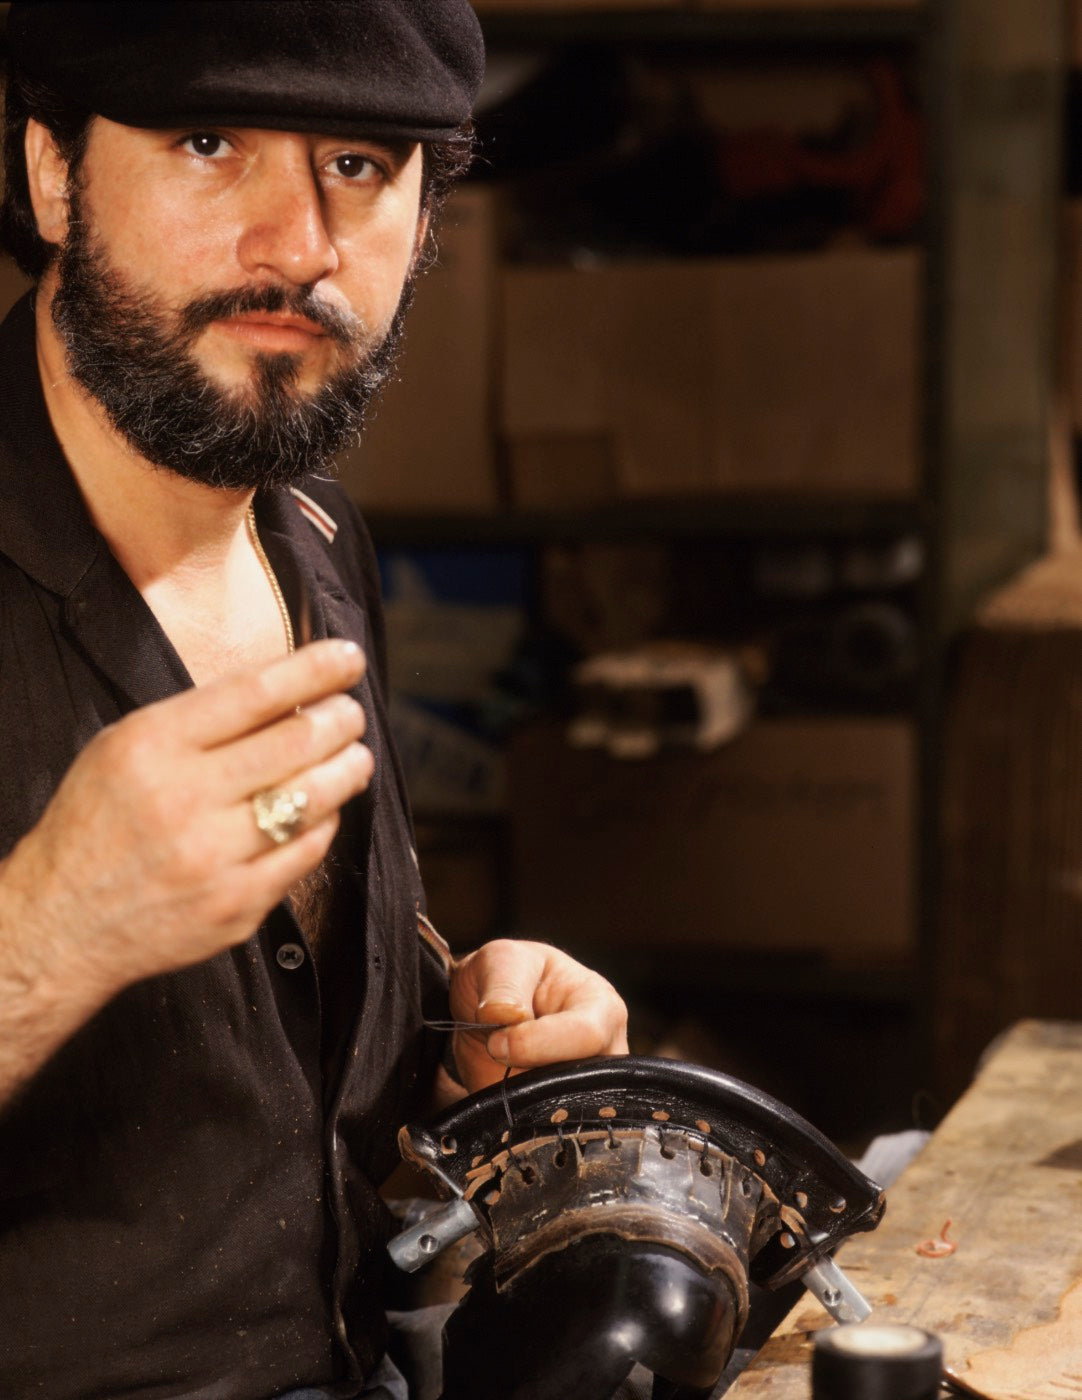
(398, 68)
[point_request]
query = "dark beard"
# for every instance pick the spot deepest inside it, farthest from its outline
(122, 350)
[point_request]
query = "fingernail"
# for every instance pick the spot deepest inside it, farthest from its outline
(506, 1008)
(499, 1047)
(350, 650)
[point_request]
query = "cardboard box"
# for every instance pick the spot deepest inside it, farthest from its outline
(795, 374)
(454, 618)
(797, 837)
(449, 769)
(429, 444)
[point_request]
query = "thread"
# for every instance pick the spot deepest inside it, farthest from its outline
(506, 1099)
(471, 1026)
(466, 1025)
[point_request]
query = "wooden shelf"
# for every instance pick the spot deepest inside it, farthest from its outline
(724, 516)
(826, 24)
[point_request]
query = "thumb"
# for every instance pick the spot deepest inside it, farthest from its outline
(496, 982)
(499, 980)
(503, 1006)
(501, 1013)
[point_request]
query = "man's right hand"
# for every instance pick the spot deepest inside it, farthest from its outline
(148, 857)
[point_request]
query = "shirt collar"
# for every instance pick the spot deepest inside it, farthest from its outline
(45, 527)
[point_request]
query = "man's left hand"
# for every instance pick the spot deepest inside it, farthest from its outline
(552, 1009)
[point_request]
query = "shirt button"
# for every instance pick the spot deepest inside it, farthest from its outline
(290, 956)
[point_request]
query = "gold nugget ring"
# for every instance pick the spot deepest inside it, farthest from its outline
(279, 812)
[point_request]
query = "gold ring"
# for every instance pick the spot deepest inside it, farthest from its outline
(279, 812)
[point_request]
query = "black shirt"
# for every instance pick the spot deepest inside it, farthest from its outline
(188, 1203)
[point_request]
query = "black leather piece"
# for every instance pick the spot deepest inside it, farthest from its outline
(572, 1326)
(625, 1204)
(794, 1159)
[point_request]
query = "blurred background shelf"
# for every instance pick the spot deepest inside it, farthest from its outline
(712, 516)
(741, 336)
(808, 245)
(754, 25)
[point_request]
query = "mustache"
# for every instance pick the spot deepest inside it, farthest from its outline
(345, 329)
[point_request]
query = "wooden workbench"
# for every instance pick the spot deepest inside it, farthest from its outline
(1005, 1168)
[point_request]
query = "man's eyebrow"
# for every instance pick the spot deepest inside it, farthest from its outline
(396, 149)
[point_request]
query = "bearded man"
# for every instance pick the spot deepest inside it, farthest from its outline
(216, 976)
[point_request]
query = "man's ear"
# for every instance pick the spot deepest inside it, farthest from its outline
(419, 243)
(47, 177)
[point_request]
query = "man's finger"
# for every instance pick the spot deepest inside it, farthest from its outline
(326, 789)
(272, 874)
(226, 709)
(274, 754)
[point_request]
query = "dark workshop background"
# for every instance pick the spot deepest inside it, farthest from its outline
(750, 354)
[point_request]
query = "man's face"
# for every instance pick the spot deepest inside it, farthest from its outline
(232, 297)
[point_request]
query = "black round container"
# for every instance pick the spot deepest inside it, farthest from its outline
(876, 1361)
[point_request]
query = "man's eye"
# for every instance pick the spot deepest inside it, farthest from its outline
(203, 143)
(355, 167)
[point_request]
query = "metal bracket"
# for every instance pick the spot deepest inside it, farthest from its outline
(419, 1245)
(838, 1295)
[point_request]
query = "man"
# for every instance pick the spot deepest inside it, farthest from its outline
(215, 972)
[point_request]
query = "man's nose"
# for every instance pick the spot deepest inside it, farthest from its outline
(285, 231)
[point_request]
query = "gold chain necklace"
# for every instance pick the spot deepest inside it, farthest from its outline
(272, 579)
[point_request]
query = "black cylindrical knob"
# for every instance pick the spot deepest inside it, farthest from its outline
(876, 1361)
